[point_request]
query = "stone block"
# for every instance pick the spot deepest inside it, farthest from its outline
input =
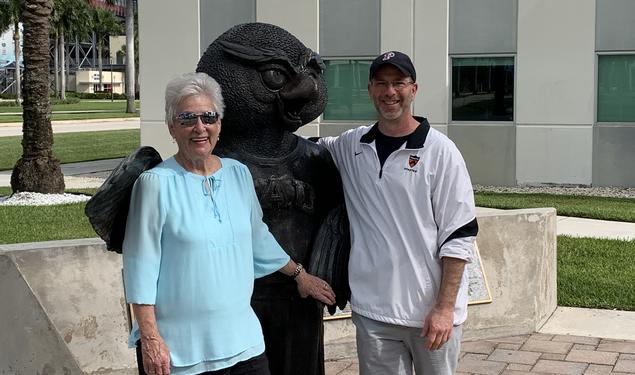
(481, 347)
(65, 308)
(524, 299)
(552, 356)
(513, 356)
(547, 346)
(519, 367)
(583, 347)
(600, 358)
(559, 367)
(476, 366)
(598, 369)
(577, 339)
(625, 365)
(617, 346)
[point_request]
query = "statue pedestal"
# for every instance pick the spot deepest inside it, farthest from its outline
(63, 307)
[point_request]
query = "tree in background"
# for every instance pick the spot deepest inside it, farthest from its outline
(37, 170)
(104, 23)
(130, 58)
(70, 18)
(10, 12)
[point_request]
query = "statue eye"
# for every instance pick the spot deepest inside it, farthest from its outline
(274, 79)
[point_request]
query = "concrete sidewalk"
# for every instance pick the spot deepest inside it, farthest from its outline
(537, 353)
(72, 126)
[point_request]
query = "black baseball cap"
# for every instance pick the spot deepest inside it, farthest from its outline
(397, 59)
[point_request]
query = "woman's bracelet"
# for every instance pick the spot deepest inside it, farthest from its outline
(297, 271)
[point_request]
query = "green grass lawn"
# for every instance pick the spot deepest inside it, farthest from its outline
(116, 109)
(74, 116)
(84, 105)
(592, 273)
(596, 273)
(20, 224)
(75, 147)
(616, 209)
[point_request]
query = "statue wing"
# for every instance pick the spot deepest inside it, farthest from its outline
(329, 258)
(107, 210)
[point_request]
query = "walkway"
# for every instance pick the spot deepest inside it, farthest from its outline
(538, 353)
(14, 128)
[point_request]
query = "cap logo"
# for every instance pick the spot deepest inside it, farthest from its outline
(388, 56)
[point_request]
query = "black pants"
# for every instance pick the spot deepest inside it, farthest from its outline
(255, 366)
(293, 333)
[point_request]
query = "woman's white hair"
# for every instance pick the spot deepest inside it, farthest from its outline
(191, 84)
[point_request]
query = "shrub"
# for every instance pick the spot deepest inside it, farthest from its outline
(68, 100)
(100, 95)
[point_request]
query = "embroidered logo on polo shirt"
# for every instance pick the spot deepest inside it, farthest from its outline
(413, 160)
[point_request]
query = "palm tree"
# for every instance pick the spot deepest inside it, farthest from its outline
(10, 12)
(130, 58)
(70, 17)
(104, 23)
(37, 170)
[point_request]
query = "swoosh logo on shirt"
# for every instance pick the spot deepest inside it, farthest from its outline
(357, 153)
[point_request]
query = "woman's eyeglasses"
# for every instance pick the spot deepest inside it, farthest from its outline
(189, 119)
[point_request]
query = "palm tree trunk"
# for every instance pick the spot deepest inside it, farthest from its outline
(16, 43)
(62, 50)
(101, 67)
(130, 68)
(37, 170)
(56, 64)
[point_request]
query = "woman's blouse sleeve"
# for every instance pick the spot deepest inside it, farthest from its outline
(269, 257)
(142, 242)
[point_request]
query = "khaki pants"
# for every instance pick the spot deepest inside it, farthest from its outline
(388, 349)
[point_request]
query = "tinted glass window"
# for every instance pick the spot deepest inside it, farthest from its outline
(616, 88)
(483, 89)
(347, 82)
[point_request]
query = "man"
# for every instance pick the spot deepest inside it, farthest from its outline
(411, 209)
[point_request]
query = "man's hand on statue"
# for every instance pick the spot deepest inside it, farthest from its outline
(156, 356)
(309, 285)
(438, 327)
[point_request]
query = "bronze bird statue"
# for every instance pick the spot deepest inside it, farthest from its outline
(272, 84)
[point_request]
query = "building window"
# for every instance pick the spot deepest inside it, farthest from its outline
(347, 83)
(616, 88)
(483, 89)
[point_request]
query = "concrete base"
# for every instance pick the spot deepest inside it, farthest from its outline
(63, 310)
(518, 249)
(63, 307)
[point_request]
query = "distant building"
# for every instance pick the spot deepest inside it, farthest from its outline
(531, 91)
(7, 50)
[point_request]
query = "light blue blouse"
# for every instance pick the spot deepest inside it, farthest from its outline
(193, 247)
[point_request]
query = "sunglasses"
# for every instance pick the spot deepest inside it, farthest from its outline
(189, 119)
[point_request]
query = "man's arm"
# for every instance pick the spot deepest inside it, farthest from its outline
(438, 325)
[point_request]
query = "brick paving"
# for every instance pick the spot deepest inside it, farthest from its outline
(529, 354)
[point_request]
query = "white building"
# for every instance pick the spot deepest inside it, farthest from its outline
(531, 91)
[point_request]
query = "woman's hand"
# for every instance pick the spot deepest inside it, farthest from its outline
(309, 285)
(156, 355)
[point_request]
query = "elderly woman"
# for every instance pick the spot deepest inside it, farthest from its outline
(194, 243)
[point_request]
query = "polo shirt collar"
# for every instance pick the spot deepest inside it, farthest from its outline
(415, 140)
